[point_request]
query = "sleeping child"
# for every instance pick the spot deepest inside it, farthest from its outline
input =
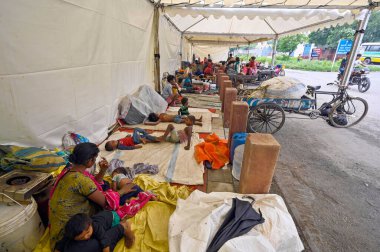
(131, 142)
(120, 180)
(180, 136)
(154, 119)
(101, 232)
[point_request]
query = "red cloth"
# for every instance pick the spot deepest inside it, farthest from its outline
(214, 150)
(208, 70)
(127, 141)
(252, 64)
(130, 209)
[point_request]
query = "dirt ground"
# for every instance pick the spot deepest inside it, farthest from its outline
(330, 177)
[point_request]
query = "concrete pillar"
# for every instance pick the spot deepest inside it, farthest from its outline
(259, 163)
(219, 78)
(226, 84)
(230, 96)
(221, 83)
(238, 119)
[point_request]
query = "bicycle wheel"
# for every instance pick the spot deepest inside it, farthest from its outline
(266, 118)
(348, 113)
(364, 85)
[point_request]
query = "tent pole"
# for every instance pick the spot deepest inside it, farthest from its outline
(364, 17)
(248, 49)
(192, 52)
(181, 48)
(274, 48)
(156, 23)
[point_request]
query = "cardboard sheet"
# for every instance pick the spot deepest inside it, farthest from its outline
(206, 127)
(176, 164)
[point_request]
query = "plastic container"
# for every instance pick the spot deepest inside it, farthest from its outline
(238, 160)
(237, 139)
(20, 225)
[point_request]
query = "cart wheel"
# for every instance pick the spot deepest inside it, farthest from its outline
(266, 118)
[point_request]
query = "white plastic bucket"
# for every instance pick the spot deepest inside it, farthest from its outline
(20, 226)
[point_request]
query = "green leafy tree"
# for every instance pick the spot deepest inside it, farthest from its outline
(372, 33)
(330, 37)
(289, 43)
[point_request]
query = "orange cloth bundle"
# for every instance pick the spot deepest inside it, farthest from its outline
(214, 150)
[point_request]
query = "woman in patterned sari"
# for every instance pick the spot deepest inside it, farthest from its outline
(76, 191)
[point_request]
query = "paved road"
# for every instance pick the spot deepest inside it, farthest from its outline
(330, 177)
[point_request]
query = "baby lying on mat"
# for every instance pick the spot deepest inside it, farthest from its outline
(131, 142)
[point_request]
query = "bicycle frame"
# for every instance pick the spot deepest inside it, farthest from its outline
(340, 95)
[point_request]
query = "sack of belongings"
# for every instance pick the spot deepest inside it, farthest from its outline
(280, 87)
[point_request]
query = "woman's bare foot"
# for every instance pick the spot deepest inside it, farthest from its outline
(128, 233)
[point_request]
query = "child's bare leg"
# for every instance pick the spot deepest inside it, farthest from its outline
(198, 123)
(168, 130)
(128, 233)
(199, 119)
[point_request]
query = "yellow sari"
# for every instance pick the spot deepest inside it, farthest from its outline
(69, 198)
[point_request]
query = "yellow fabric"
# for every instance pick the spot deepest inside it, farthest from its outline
(150, 224)
(69, 198)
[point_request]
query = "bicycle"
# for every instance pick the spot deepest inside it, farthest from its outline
(267, 115)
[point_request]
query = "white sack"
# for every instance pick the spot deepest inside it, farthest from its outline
(196, 220)
(135, 108)
(284, 87)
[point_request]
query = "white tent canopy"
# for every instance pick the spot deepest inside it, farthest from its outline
(233, 22)
(251, 23)
(288, 4)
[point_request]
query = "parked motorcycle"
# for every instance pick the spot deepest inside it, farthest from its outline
(279, 70)
(359, 78)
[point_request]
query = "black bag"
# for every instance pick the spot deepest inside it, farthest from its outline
(326, 110)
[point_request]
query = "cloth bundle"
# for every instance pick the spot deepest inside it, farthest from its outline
(29, 158)
(214, 150)
(71, 139)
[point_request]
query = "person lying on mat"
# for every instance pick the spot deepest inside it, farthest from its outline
(154, 119)
(180, 136)
(131, 142)
(101, 232)
(168, 94)
(120, 180)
